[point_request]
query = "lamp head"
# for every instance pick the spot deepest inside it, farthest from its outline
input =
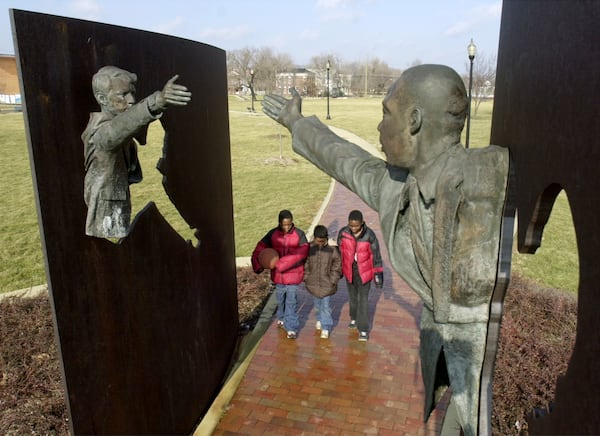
(471, 50)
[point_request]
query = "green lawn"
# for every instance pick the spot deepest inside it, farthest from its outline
(266, 178)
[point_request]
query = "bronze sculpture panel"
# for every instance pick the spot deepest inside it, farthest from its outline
(546, 111)
(135, 319)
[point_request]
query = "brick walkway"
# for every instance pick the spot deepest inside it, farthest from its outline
(339, 386)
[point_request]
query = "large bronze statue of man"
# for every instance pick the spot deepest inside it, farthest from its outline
(440, 208)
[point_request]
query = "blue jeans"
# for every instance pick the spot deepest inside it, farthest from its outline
(323, 312)
(286, 306)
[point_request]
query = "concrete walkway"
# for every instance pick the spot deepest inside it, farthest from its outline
(336, 386)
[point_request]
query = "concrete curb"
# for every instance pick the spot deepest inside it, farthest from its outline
(34, 291)
(246, 351)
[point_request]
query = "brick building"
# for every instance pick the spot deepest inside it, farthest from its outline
(304, 80)
(9, 80)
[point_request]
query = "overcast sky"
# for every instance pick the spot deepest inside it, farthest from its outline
(396, 31)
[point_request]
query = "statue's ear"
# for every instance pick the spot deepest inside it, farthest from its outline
(416, 120)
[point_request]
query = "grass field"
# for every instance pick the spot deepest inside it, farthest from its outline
(267, 176)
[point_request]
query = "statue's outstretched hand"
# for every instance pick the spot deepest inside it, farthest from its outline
(285, 112)
(173, 94)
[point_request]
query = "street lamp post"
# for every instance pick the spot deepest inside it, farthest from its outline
(252, 87)
(471, 51)
(328, 67)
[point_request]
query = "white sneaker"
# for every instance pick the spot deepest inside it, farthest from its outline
(324, 334)
(279, 323)
(318, 325)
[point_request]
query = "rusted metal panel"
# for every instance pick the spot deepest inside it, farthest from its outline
(546, 111)
(148, 326)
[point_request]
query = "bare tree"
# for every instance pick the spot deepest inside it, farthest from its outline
(240, 68)
(484, 80)
(256, 68)
(320, 62)
(372, 77)
(267, 65)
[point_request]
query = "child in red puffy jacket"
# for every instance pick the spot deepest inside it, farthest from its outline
(291, 245)
(361, 263)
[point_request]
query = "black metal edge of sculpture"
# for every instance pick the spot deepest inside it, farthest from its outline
(133, 339)
(545, 110)
(497, 305)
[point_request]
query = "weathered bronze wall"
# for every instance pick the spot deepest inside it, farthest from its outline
(147, 327)
(546, 111)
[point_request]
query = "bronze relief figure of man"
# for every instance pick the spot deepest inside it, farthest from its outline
(110, 147)
(440, 208)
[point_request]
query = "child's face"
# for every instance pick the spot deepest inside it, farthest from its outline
(286, 225)
(355, 227)
(321, 242)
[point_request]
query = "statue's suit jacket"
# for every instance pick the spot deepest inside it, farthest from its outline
(442, 237)
(110, 159)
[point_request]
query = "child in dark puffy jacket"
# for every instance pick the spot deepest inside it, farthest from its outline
(322, 272)
(361, 263)
(291, 245)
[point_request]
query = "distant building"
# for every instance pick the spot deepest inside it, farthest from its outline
(9, 80)
(313, 83)
(304, 80)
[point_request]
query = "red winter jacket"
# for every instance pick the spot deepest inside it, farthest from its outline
(366, 249)
(293, 250)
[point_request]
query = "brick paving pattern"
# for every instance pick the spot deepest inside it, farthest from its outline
(338, 386)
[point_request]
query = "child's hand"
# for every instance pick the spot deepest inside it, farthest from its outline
(379, 280)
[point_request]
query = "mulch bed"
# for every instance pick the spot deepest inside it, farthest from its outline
(538, 332)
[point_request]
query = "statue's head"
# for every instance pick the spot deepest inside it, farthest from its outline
(114, 89)
(424, 113)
